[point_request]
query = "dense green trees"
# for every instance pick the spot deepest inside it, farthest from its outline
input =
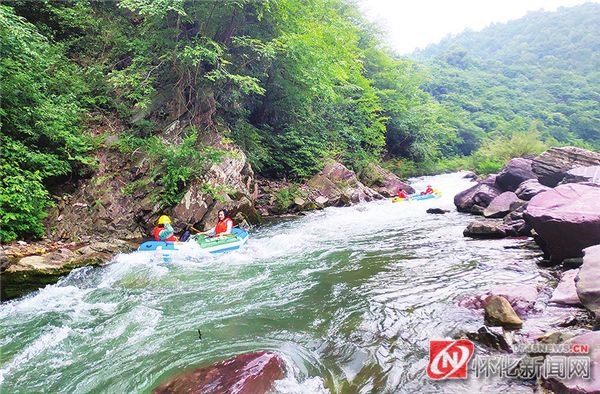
(296, 81)
(539, 73)
(41, 137)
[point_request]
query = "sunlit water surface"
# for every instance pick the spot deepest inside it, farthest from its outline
(348, 296)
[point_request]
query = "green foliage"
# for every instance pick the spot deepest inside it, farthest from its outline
(284, 197)
(174, 165)
(539, 72)
(23, 200)
(40, 118)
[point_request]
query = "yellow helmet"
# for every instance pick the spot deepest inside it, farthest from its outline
(164, 219)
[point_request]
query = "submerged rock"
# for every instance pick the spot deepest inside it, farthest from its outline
(243, 374)
(567, 218)
(489, 338)
(552, 165)
(529, 189)
(516, 171)
(566, 293)
(437, 211)
(477, 198)
(501, 205)
(499, 312)
(587, 282)
(487, 228)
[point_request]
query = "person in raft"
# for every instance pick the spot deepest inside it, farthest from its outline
(402, 194)
(429, 190)
(163, 230)
(224, 225)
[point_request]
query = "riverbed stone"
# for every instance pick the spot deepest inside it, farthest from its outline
(437, 211)
(500, 205)
(567, 218)
(498, 312)
(487, 229)
(566, 293)
(579, 385)
(247, 373)
(587, 282)
(516, 172)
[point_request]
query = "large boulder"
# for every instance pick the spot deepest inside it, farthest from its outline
(565, 293)
(340, 186)
(516, 171)
(589, 174)
(244, 374)
(567, 218)
(476, 198)
(501, 205)
(552, 165)
(529, 189)
(587, 282)
(383, 181)
(577, 385)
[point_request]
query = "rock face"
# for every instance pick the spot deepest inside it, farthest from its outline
(477, 198)
(529, 189)
(588, 280)
(340, 186)
(244, 374)
(579, 385)
(383, 181)
(32, 272)
(501, 205)
(552, 165)
(516, 171)
(583, 175)
(121, 200)
(565, 293)
(567, 218)
(498, 312)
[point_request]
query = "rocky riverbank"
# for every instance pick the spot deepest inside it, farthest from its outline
(115, 209)
(555, 198)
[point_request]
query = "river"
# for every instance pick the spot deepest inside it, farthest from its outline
(348, 296)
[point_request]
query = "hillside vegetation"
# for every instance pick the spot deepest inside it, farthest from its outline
(536, 78)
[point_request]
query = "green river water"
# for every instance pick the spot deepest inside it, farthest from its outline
(348, 296)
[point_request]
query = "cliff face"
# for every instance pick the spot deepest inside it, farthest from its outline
(121, 199)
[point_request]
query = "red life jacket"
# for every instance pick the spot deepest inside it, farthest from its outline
(221, 226)
(157, 231)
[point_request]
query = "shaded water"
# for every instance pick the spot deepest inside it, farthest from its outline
(348, 296)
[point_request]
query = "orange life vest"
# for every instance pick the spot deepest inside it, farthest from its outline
(157, 231)
(221, 226)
